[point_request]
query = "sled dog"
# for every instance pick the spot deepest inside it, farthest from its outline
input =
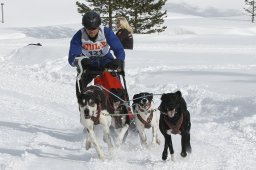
(174, 119)
(145, 117)
(93, 111)
(120, 119)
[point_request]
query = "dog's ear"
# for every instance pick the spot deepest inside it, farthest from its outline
(113, 90)
(121, 92)
(135, 97)
(179, 93)
(98, 96)
(178, 96)
(163, 97)
(79, 97)
(101, 99)
(98, 99)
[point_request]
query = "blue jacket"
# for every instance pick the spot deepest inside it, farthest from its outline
(113, 41)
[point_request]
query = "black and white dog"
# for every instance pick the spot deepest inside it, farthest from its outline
(93, 111)
(174, 119)
(120, 120)
(145, 117)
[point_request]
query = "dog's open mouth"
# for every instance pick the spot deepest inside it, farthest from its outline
(145, 106)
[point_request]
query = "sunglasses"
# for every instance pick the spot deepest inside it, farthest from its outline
(91, 29)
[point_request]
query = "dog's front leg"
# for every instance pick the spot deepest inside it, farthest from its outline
(106, 122)
(142, 134)
(96, 144)
(169, 143)
(165, 151)
(88, 142)
(185, 144)
(157, 129)
(107, 137)
(155, 138)
(121, 134)
(88, 124)
(188, 146)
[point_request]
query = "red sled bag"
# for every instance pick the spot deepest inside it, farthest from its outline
(108, 81)
(111, 81)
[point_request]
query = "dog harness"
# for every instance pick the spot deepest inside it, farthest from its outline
(174, 127)
(147, 124)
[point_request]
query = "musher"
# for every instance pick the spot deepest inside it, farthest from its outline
(93, 42)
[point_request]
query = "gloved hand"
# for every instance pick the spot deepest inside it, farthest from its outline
(86, 62)
(115, 64)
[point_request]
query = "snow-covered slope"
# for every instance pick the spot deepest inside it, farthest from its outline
(208, 11)
(211, 60)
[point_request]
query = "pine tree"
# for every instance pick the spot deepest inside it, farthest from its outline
(145, 16)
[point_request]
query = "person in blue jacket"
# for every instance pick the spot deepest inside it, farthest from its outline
(93, 43)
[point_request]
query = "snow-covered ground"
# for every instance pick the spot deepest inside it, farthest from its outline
(211, 60)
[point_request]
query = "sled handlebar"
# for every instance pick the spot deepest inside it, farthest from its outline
(95, 73)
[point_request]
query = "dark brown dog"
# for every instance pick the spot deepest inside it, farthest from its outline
(174, 119)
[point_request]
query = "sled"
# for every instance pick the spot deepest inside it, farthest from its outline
(108, 80)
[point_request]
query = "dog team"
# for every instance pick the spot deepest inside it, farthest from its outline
(112, 113)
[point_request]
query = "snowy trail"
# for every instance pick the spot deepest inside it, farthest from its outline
(50, 131)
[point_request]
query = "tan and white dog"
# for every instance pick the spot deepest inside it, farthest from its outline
(145, 117)
(92, 106)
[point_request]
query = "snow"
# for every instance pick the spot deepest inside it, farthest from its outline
(211, 60)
